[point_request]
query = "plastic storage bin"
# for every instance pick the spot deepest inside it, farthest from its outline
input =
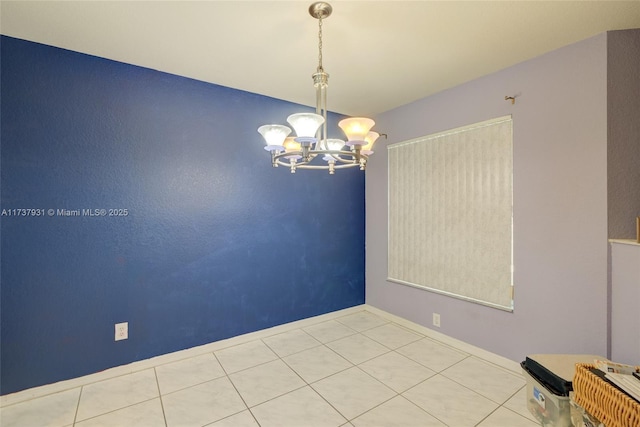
(549, 381)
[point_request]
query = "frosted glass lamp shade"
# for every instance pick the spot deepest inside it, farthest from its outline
(274, 135)
(306, 125)
(291, 146)
(356, 129)
(370, 139)
(335, 144)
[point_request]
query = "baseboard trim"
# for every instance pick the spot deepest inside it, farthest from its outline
(503, 362)
(36, 392)
(140, 365)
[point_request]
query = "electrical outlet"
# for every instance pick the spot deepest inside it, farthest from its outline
(122, 331)
(436, 319)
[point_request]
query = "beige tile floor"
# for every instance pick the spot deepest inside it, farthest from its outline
(358, 370)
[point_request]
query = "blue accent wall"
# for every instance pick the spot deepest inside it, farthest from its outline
(215, 243)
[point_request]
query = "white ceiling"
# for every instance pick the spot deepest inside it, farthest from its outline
(379, 54)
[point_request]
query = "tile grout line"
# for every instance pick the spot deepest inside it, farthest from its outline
(164, 415)
(44, 390)
(421, 408)
(306, 384)
(75, 415)
(116, 410)
(391, 350)
(325, 346)
(443, 339)
(487, 416)
(505, 408)
(374, 378)
(226, 375)
(310, 385)
(468, 388)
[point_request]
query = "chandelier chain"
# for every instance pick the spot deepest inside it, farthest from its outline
(320, 69)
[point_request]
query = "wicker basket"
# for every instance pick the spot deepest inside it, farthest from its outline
(605, 402)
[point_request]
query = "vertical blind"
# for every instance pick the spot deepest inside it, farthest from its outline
(450, 212)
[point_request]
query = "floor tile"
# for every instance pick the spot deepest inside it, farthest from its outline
(55, 410)
(116, 393)
(243, 356)
(241, 419)
(357, 348)
(346, 372)
(518, 403)
(431, 354)
(291, 342)
(392, 336)
(451, 403)
(317, 363)
(145, 414)
(186, 373)
(264, 382)
(486, 379)
(329, 331)
(362, 321)
(353, 392)
(202, 404)
(396, 371)
(303, 407)
(397, 412)
(503, 417)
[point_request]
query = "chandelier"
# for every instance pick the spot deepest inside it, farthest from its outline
(310, 148)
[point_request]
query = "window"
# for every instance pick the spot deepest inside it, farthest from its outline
(450, 213)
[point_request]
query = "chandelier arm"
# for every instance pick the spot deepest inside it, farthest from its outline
(351, 156)
(280, 159)
(326, 167)
(305, 165)
(332, 152)
(349, 161)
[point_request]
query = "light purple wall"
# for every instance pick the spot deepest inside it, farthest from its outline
(560, 205)
(625, 316)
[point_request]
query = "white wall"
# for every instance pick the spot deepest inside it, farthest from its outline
(625, 294)
(560, 205)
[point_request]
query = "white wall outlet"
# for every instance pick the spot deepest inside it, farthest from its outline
(436, 319)
(122, 331)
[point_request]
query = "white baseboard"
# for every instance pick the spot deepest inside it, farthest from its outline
(503, 362)
(141, 365)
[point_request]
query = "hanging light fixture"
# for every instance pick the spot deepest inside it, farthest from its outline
(310, 148)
